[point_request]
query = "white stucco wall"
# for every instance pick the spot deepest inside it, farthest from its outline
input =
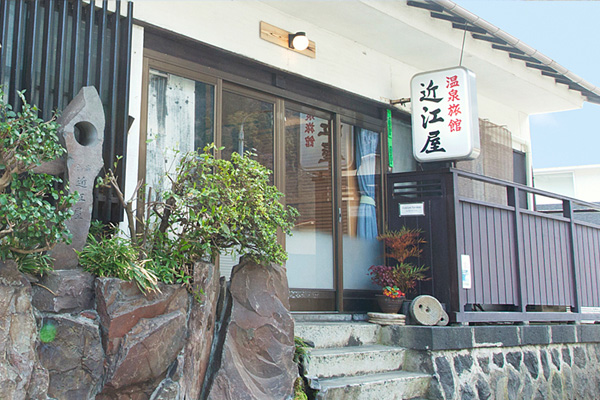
(580, 182)
(370, 48)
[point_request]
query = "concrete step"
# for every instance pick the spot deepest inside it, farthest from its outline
(349, 361)
(383, 386)
(310, 316)
(338, 334)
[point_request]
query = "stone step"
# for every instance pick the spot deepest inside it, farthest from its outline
(338, 334)
(349, 361)
(383, 386)
(306, 316)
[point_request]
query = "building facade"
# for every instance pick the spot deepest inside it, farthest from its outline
(330, 121)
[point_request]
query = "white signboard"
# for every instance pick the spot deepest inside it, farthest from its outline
(412, 209)
(466, 270)
(445, 122)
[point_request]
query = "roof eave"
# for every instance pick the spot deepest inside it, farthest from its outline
(589, 92)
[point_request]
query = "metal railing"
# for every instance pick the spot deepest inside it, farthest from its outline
(52, 48)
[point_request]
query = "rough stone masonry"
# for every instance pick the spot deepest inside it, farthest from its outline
(504, 361)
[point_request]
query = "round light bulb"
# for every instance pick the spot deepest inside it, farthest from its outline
(300, 41)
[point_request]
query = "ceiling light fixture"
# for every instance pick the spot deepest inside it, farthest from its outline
(298, 41)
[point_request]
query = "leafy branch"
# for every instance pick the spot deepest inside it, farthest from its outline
(213, 206)
(34, 207)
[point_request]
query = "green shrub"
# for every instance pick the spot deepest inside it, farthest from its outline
(218, 205)
(113, 256)
(34, 207)
(35, 264)
(214, 206)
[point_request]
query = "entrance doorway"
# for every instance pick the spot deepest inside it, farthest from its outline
(333, 178)
(327, 163)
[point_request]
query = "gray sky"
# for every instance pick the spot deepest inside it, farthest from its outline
(566, 31)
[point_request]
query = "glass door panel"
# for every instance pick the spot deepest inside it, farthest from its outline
(308, 188)
(180, 119)
(361, 205)
(247, 124)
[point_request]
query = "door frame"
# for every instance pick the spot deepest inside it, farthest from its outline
(337, 299)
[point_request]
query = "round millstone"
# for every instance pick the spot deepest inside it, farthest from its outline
(426, 310)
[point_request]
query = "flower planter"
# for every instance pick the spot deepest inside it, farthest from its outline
(388, 304)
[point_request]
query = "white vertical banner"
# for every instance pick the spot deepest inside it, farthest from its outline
(314, 142)
(445, 122)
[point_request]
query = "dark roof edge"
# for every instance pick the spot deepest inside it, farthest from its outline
(591, 93)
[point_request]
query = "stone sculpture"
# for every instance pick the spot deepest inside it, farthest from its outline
(82, 133)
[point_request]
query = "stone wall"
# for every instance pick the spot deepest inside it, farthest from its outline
(504, 362)
(529, 372)
(21, 375)
(71, 336)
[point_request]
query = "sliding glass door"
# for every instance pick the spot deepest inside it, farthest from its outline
(247, 124)
(333, 178)
(309, 188)
(328, 168)
(361, 205)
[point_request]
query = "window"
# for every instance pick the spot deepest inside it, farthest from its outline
(361, 204)
(180, 119)
(327, 167)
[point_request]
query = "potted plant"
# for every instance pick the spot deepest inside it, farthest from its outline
(402, 276)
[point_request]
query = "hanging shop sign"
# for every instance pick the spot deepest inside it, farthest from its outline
(445, 124)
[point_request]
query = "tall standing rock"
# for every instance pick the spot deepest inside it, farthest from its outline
(82, 130)
(256, 360)
(21, 375)
(201, 326)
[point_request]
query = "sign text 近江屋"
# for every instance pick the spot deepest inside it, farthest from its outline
(444, 115)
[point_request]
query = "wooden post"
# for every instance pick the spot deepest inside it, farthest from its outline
(568, 213)
(513, 201)
(457, 299)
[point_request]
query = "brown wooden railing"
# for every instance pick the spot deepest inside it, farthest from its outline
(525, 265)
